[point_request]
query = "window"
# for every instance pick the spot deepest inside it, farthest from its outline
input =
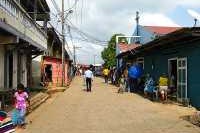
(140, 61)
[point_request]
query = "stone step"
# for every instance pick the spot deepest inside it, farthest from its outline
(37, 100)
(56, 89)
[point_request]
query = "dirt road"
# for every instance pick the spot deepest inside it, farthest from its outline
(105, 111)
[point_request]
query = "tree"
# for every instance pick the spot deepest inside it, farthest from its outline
(109, 53)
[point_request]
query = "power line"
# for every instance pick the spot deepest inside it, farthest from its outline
(56, 6)
(81, 11)
(88, 41)
(84, 39)
(93, 39)
(74, 5)
(69, 32)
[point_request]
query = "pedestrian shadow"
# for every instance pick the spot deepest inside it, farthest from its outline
(193, 118)
(84, 90)
(185, 117)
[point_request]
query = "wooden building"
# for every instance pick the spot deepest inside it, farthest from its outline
(176, 54)
(51, 63)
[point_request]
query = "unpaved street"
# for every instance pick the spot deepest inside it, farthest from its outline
(105, 111)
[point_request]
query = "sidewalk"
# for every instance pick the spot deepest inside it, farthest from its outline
(105, 111)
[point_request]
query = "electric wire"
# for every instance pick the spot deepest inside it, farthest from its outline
(74, 5)
(56, 6)
(85, 35)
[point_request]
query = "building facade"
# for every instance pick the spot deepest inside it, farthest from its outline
(51, 62)
(175, 54)
(21, 38)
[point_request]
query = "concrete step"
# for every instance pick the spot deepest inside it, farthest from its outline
(37, 100)
(54, 89)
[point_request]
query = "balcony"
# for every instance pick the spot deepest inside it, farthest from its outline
(15, 20)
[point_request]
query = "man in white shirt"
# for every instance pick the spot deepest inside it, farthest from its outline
(89, 77)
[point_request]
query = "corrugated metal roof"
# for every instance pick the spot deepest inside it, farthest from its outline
(161, 30)
(179, 37)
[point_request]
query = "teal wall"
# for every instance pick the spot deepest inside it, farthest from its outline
(193, 74)
(159, 59)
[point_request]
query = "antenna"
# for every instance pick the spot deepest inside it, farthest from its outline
(137, 21)
(195, 22)
(137, 26)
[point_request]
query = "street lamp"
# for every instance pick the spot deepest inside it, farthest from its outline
(63, 18)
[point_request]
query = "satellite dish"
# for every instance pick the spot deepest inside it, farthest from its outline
(195, 15)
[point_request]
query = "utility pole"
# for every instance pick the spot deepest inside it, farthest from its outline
(95, 59)
(137, 26)
(74, 48)
(137, 23)
(63, 43)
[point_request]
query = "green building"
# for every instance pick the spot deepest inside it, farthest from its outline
(176, 54)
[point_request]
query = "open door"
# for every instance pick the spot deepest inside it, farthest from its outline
(182, 79)
(172, 73)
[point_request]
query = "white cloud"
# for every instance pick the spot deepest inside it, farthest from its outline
(103, 18)
(189, 3)
(156, 20)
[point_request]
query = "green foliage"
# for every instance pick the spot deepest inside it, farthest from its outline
(109, 53)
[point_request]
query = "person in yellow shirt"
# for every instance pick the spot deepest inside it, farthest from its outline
(106, 73)
(163, 86)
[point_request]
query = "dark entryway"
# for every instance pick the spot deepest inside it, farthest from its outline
(172, 73)
(48, 72)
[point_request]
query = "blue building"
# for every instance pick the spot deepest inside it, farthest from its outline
(147, 34)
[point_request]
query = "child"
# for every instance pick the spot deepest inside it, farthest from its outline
(21, 99)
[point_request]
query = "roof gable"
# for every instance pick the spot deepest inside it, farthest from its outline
(123, 47)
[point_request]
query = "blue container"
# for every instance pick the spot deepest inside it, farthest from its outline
(135, 71)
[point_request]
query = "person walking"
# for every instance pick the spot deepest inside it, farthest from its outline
(89, 78)
(106, 73)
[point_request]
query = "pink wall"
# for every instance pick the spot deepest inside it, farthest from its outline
(56, 69)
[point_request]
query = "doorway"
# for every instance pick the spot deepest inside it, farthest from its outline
(177, 70)
(172, 73)
(48, 73)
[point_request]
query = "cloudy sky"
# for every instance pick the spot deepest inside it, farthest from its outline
(103, 18)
